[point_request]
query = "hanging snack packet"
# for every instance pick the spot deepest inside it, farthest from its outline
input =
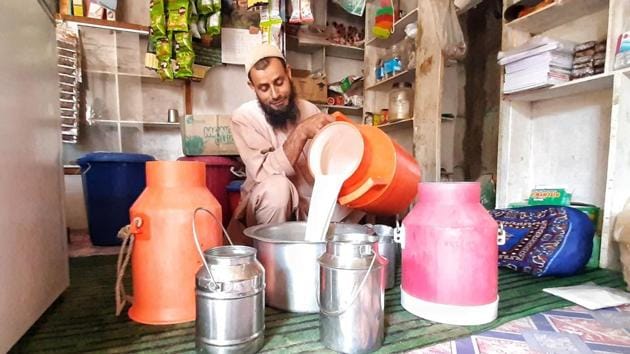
(216, 5)
(205, 7)
(201, 24)
(214, 24)
(177, 15)
(183, 42)
(165, 70)
(184, 65)
(163, 48)
(193, 18)
(158, 19)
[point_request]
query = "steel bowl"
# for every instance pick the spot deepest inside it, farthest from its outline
(291, 268)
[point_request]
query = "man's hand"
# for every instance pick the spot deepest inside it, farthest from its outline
(303, 132)
(313, 124)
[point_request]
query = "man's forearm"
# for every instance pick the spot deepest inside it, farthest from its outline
(294, 145)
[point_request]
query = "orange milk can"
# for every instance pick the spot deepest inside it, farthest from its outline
(386, 180)
(165, 260)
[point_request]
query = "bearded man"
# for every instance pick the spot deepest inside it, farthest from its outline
(272, 136)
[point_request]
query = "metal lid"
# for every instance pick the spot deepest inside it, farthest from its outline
(230, 255)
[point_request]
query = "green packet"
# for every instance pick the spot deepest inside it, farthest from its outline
(158, 19)
(184, 65)
(205, 7)
(165, 70)
(164, 48)
(177, 15)
(183, 42)
(214, 24)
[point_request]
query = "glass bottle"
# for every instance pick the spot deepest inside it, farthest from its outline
(401, 101)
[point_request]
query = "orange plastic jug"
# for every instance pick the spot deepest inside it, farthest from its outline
(385, 181)
(164, 259)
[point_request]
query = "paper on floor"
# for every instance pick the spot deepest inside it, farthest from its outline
(591, 295)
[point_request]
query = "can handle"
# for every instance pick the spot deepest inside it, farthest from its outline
(354, 296)
(214, 285)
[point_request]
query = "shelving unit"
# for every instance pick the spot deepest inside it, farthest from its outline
(575, 87)
(576, 134)
(347, 110)
(314, 54)
(406, 75)
(137, 123)
(103, 24)
(124, 102)
(556, 14)
(334, 50)
(408, 121)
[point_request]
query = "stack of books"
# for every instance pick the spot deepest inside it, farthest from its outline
(540, 62)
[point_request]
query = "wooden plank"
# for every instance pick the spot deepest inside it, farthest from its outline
(188, 98)
(556, 14)
(113, 25)
(617, 186)
(428, 102)
(406, 75)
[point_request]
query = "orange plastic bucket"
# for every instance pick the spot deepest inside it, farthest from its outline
(164, 258)
(387, 177)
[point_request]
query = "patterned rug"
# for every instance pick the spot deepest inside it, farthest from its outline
(567, 330)
(83, 320)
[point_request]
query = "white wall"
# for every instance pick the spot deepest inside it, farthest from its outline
(33, 256)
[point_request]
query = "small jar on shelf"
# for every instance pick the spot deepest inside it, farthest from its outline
(401, 101)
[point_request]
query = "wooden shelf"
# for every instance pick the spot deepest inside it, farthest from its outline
(135, 123)
(556, 14)
(111, 25)
(575, 87)
(350, 110)
(398, 32)
(407, 75)
(395, 123)
(306, 45)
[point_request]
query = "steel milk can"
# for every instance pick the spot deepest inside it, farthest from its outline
(351, 294)
(230, 301)
(388, 249)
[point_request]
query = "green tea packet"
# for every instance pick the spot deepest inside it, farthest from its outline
(158, 18)
(177, 15)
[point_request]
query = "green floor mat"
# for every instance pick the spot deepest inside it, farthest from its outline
(83, 320)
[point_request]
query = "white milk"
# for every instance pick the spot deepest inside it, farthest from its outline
(335, 154)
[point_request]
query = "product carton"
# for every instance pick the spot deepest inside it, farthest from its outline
(207, 134)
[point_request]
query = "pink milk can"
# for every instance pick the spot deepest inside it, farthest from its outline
(450, 256)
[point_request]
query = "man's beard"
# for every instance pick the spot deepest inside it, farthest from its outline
(278, 118)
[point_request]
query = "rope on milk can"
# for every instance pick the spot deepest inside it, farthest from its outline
(123, 260)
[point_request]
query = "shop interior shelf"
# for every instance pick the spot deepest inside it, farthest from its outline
(556, 14)
(407, 75)
(307, 45)
(112, 25)
(575, 87)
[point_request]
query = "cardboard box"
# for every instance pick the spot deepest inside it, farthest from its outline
(311, 87)
(207, 134)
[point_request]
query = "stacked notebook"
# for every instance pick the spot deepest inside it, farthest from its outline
(540, 62)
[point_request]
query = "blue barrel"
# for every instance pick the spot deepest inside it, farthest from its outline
(112, 181)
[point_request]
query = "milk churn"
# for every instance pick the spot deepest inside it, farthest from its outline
(230, 301)
(388, 249)
(351, 294)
